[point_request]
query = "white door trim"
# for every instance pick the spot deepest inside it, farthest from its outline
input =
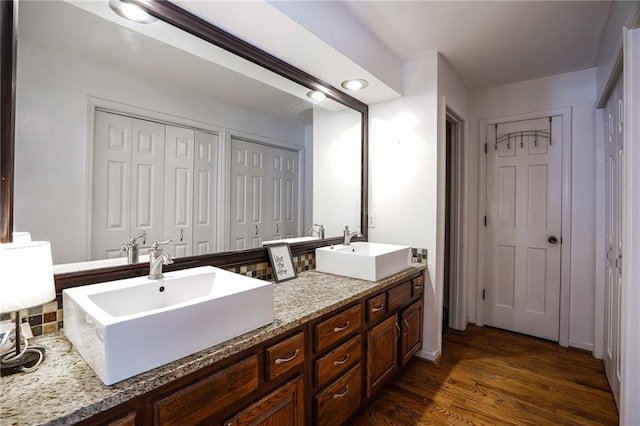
(565, 272)
(457, 288)
(630, 320)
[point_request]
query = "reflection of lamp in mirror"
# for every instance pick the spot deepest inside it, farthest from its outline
(131, 11)
(26, 280)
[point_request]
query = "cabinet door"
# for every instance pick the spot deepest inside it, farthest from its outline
(411, 331)
(382, 352)
(283, 406)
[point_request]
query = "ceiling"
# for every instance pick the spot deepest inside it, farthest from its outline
(491, 43)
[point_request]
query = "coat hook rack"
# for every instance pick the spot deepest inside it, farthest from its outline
(535, 134)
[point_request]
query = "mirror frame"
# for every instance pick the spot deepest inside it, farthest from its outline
(198, 27)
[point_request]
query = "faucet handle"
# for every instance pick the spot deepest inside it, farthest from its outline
(156, 245)
(133, 240)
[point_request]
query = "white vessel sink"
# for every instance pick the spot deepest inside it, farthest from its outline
(366, 261)
(126, 327)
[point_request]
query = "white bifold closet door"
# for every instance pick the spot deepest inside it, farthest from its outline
(153, 177)
(264, 194)
(613, 217)
(248, 192)
(127, 182)
(282, 187)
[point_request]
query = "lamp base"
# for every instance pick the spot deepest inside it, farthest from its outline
(29, 359)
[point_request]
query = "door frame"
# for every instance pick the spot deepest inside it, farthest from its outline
(457, 226)
(565, 256)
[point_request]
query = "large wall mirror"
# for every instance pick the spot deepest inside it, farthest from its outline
(125, 129)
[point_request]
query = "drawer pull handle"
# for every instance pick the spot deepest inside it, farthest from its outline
(340, 395)
(282, 360)
(397, 330)
(342, 327)
(418, 286)
(407, 324)
(377, 308)
(341, 361)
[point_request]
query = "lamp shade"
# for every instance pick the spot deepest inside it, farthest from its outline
(26, 275)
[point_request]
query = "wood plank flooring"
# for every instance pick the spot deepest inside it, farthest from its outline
(488, 376)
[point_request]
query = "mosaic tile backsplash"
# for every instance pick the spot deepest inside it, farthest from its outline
(49, 317)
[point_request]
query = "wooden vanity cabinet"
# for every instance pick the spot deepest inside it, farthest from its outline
(411, 325)
(319, 373)
(283, 406)
(382, 353)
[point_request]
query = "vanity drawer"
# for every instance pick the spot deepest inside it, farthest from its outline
(285, 355)
(376, 307)
(201, 400)
(337, 361)
(400, 295)
(337, 327)
(337, 402)
(417, 285)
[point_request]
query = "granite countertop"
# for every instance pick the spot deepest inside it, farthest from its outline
(64, 390)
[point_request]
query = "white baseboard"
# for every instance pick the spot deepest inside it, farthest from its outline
(429, 356)
(580, 345)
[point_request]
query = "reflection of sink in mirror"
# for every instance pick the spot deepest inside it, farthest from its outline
(289, 240)
(367, 261)
(126, 327)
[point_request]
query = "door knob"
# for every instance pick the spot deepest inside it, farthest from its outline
(552, 240)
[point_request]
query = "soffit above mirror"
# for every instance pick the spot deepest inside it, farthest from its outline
(333, 53)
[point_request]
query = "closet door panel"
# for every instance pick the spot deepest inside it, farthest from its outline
(111, 192)
(205, 192)
(178, 190)
(147, 181)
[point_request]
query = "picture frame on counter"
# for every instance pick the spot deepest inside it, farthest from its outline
(281, 262)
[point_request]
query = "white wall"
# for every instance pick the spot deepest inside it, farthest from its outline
(453, 94)
(578, 91)
(51, 135)
(336, 170)
(403, 164)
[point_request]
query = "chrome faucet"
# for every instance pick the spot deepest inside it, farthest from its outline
(319, 231)
(132, 248)
(348, 235)
(157, 258)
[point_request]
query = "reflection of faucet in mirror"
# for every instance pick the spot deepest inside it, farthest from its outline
(319, 231)
(132, 247)
(348, 235)
(157, 258)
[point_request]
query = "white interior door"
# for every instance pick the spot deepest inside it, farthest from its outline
(248, 191)
(523, 234)
(178, 190)
(282, 194)
(613, 272)
(147, 180)
(111, 191)
(205, 192)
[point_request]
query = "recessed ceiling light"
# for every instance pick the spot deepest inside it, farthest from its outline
(355, 84)
(131, 11)
(316, 95)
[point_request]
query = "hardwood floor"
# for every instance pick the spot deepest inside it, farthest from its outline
(488, 376)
